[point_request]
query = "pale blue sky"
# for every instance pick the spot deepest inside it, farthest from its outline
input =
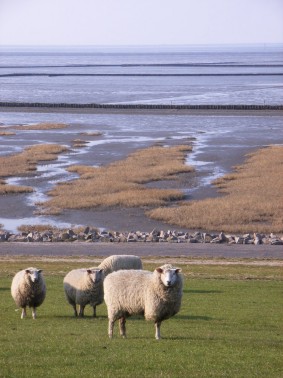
(140, 22)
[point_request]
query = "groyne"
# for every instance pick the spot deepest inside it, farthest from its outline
(26, 74)
(139, 106)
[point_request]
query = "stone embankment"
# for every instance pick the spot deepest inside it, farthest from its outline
(155, 236)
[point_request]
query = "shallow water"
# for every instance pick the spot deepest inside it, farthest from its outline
(184, 75)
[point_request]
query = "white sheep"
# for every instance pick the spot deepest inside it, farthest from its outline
(156, 295)
(120, 262)
(28, 289)
(114, 263)
(84, 286)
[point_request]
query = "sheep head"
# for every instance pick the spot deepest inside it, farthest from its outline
(33, 274)
(168, 275)
(95, 275)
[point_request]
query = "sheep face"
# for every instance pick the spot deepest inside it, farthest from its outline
(34, 274)
(95, 275)
(168, 276)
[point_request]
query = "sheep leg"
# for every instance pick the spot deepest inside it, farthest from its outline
(110, 328)
(94, 311)
(157, 330)
(34, 312)
(24, 312)
(81, 311)
(75, 310)
(122, 324)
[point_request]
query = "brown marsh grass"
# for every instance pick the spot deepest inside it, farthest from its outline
(24, 163)
(41, 126)
(6, 133)
(78, 143)
(13, 189)
(252, 199)
(49, 227)
(92, 133)
(122, 183)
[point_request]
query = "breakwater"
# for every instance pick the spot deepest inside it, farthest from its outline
(26, 74)
(139, 106)
(90, 234)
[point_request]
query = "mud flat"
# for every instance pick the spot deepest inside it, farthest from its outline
(220, 139)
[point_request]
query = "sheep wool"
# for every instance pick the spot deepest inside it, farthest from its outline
(120, 262)
(82, 287)
(28, 289)
(156, 295)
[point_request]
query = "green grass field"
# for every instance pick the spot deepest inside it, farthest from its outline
(230, 325)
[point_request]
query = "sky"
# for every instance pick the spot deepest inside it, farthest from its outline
(140, 22)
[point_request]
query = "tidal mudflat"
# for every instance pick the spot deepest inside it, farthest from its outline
(219, 141)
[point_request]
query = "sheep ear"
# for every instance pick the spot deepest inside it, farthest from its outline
(159, 270)
(27, 271)
(39, 270)
(89, 271)
(179, 270)
(100, 270)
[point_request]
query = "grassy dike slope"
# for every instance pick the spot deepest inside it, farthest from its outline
(229, 326)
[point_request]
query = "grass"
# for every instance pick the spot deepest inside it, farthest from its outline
(252, 199)
(78, 143)
(123, 183)
(92, 133)
(25, 163)
(41, 126)
(14, 189)
(49, 227)
(6, 133)
(228, 326)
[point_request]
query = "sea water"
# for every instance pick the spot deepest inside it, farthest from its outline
(148, 75)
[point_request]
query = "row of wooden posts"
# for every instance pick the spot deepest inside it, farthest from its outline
(139, 106)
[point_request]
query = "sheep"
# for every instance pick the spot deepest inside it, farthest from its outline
(28, 289)
(156, 295)
(119, 262)
(82, 287)
(114, 263)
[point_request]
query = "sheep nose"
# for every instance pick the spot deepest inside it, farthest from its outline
(168, 283)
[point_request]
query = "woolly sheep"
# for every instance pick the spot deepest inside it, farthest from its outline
(156, 295)
(82, 287)
(28, 289)
(119, 262)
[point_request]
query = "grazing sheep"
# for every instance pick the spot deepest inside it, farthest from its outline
(120, 262)
(28, 289)
(156, 295)
(84, 286)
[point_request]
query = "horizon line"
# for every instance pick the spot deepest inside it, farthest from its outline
(145, 45)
